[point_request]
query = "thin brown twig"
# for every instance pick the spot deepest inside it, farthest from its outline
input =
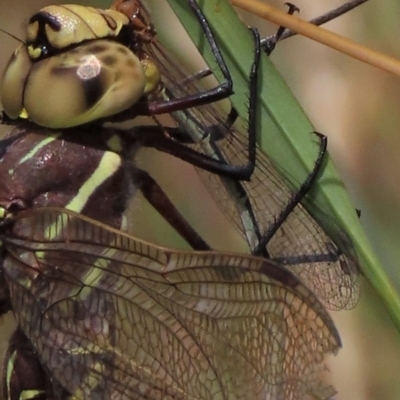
(321, 35)
(322, 19)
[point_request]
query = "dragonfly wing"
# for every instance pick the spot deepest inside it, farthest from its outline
(143, 322)
(325, 262)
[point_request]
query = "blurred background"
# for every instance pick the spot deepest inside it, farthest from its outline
(355, 105)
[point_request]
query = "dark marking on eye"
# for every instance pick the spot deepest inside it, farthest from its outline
(93, 91)
(98, 48)
(131, 64)
(61, 70)
(123, 50)
(109, 60)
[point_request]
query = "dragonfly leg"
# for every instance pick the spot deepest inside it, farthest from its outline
(197, 76)
(268, 44)
(222, 91)
(154, 136)
(296, 198)
(160, 201)
(204, 73)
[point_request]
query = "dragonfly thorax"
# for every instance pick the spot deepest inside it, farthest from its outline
(84, 173)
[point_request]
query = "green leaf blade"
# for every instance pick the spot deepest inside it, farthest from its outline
(285, 132)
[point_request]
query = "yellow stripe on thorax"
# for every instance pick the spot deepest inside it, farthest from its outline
(38, 147)
(109, 164)
(25, 394)
(30, 394)
(10, 369)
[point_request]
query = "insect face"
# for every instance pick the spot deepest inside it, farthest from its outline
(81, 85)
(73, 54)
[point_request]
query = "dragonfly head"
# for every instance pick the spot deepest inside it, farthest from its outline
(67, 75)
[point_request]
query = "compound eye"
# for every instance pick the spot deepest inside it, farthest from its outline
(93, 81)
(13, 83)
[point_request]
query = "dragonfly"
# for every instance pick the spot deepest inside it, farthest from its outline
(282, 388)
(264, 207)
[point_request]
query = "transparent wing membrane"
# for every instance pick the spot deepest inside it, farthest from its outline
(253, 206)
(139, 321)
